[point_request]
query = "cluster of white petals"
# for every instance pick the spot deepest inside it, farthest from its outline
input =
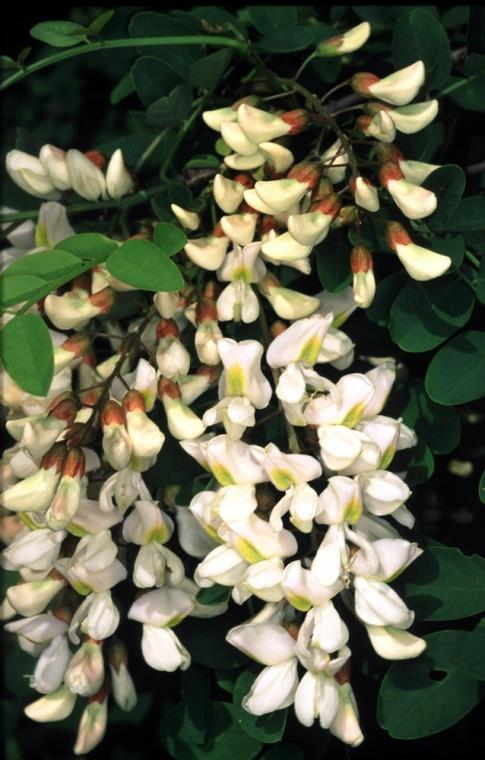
(310, 530)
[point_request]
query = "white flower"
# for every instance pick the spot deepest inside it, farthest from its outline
(92, 726)
(51, 666)
(378, 604)
(52, 707)
(162, 649)
(86, 179)
(118, 179)
(394, 643)
(85, 672)
(398, 88)
(346, 42)
(30, 174)
(97, 616)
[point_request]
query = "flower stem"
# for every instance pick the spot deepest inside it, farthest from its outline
(94, 47)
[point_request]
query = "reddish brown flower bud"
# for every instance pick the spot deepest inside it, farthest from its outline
(388, 152)
(103, 299)
(64, 409)
(298, 120)
(389, 170)
(361, 259)
(267, 224)
(96, 157)
(168, 388)
(343, 675)
(347, 215)
(396, 235)
(218, 231)
(76, 344)
(75, 463)
(244, 179)
(330, 205)
(323, 189)
(133, 402)
(212, 373)
(205, 310)
(79, 434)
(55, 457)
(245, 208)
(112, 414)
(277, 327)
(361, 82)
(306, 173)
(167, 328)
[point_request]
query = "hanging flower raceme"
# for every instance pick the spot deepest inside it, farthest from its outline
(296, 503)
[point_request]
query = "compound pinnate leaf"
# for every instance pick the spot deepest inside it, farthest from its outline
(456, 374)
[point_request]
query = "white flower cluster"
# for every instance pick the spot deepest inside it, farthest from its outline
(56, 170)
(304, 532)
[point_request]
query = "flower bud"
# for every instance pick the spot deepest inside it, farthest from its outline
(261, 126)
(54, 162)
(279, 157)
(364, 285)
(86, 179)
(30, 175)
(420, 263)
(35, 493)
(380, 126)
(409, 119)
(414, 201)
(398, 88)
(122, 686)
(52, 707)
(365, 193)
(116, 443)
(118, 179)
(346, 726)
(32, 598)
(346, 42)
(208, 252)
(182, 422)
(92, 726)
(146, 437)
(188, 219)
(335, 160)
(288, 304)
(85, 672)
(280, 194)
(68, 494)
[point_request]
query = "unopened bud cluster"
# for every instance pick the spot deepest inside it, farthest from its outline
(301, 530)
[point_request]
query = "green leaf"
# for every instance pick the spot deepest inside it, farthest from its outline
(472, 656)
(152, 24)
(153, 79)
(18, 288)
(438, 426)
(269, 18)
(379, 311)
(214, 595)
(96, 26)
(27, 353)
(418, 462)
(88, 246)
(480, 282)
(448, 184)
(333, 261)
(143, 265)
(206, 642)
(456, 373)
(444, 584)
(287, 39)
(481, 488)
(172, 110)
(265, 728)
(426, 313)
(419, 36)
(469, 215)
(207, 72)
(424, 696)
(222, 148)
(468, 92)
(225, 739)
(23, 55)
(59, 33)
(48, 265)
(169, 238)
(196, 698)
(122, 89)
(8, 63)
(204, 161)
